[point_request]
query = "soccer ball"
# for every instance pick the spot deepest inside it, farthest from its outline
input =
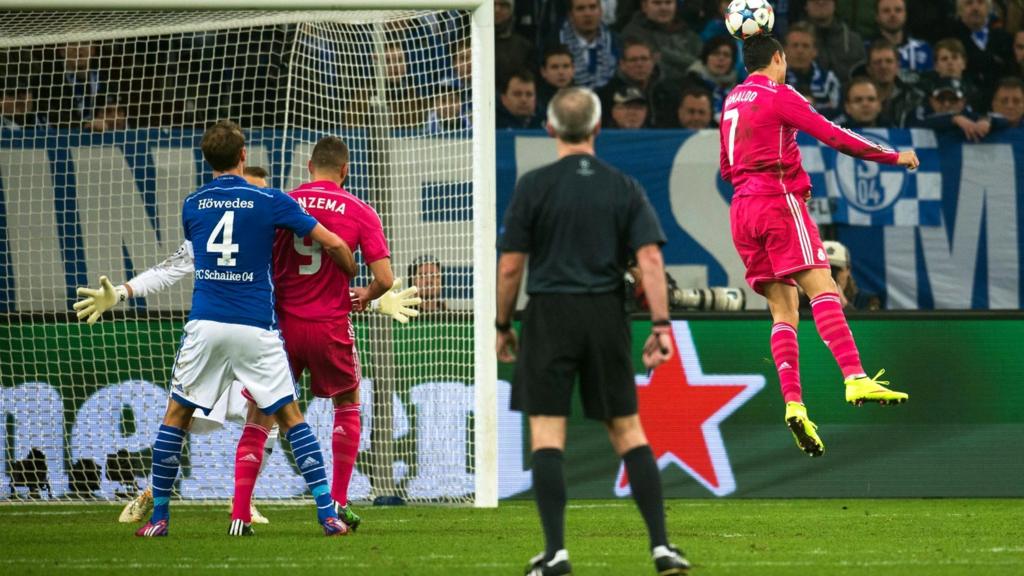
(746, 18)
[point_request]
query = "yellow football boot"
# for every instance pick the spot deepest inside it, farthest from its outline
(804, 431)
(864, 389)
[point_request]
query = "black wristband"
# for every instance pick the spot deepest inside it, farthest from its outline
(502, 327)
(657, 323)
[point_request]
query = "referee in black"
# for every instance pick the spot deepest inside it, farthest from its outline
(578, 221)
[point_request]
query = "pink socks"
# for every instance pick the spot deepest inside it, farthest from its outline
(786, 352)
(248, 458)
(835, 332)
(345, 446)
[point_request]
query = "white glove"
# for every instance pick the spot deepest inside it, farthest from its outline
(398, 305)
(94, 303)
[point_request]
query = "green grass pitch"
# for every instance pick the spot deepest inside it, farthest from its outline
(722, 537)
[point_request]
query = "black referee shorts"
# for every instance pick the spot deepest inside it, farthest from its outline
(565, 335)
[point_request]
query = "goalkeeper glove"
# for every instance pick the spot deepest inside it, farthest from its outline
(398, 305)
(94, 303)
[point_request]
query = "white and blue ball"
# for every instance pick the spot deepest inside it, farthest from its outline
(746, 18)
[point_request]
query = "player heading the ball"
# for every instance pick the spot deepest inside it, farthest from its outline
(773, 232)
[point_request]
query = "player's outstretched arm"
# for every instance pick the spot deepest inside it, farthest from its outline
(94, 302)
(336, 248)
(796, 112)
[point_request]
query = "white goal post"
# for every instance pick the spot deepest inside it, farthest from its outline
(104, 101)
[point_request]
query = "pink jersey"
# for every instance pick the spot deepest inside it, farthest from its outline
(758, 139)
(307, 282)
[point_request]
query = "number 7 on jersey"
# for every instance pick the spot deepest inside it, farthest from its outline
(732, 116)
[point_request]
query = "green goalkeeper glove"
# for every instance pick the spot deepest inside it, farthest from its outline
(94, 303)
(398, 305)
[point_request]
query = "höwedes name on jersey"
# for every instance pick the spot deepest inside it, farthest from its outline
(234, 204)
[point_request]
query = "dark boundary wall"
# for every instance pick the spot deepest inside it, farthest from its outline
(961, 434)
(715, 419)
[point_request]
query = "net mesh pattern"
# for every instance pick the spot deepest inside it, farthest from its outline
(99, 130)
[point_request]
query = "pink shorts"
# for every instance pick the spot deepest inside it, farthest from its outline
(328, 349)
(775, 238)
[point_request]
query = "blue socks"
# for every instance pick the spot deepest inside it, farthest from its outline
(305, 448)
(310, 461)
(166, 461)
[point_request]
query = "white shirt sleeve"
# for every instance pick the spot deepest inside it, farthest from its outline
(165, 274)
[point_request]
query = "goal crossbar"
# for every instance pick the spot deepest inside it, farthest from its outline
(243, 5)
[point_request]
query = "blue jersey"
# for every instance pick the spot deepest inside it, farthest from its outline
(230, 226)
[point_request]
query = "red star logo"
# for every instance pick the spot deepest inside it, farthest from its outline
(681, 408)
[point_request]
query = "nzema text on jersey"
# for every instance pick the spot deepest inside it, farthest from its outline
(321, 203)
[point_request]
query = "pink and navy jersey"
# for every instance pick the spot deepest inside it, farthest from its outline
(309, 285)
(758, 137)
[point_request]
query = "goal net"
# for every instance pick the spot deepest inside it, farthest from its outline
(101, 117)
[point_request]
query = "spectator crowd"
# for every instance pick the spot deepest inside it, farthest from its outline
(950, 65)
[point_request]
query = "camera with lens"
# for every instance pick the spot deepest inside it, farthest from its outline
(720, 299)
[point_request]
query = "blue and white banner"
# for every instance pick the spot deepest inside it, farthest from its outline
(74, 205)
(944, 238)
(847, 190)
(973, 258)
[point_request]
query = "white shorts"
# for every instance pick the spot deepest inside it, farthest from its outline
(213, 354)
(231, 406)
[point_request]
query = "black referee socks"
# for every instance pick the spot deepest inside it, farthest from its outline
(549, 491)
(645, 483)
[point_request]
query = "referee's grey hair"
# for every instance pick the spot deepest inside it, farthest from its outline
(573, 114)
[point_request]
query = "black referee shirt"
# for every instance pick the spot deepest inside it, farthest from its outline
(579, 220)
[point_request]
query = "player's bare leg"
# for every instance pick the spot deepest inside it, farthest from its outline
(630, 443)
(835, 332)
(345, 449)
(249, 457)
(783, 303)
(166, 461)
(178, 415)
(310, 460)
(547, 437)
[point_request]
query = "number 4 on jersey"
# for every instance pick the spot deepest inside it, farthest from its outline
(225, 226)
